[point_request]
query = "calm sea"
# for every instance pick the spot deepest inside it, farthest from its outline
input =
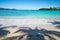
(29, 14)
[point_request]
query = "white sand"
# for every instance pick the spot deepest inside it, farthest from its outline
(27, 22)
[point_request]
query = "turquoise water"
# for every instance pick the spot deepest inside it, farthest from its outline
(29, 14)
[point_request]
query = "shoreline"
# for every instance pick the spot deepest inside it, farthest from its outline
(30, 18)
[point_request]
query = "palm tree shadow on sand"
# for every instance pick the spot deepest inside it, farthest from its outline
(34, 34)
(57, 23)
(12, 26)
(3, 32)
(1, 24)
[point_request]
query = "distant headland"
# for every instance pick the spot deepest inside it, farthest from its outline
(55, 8)
(6, 9)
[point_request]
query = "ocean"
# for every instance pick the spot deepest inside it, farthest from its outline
(29, 14)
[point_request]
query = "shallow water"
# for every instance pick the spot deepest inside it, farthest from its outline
(29, 14)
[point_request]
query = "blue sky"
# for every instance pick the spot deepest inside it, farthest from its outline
(29, 4)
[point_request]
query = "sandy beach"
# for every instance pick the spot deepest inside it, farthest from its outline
(14, 24)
